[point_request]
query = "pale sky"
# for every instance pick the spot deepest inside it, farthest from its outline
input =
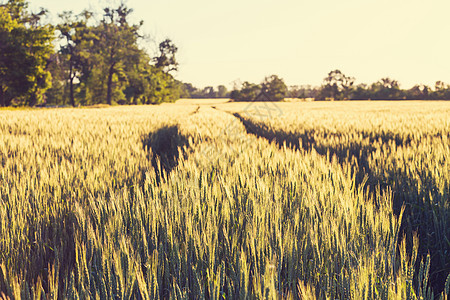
(301, 41)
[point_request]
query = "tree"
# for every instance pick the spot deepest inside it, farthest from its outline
(163, 87)
(58, 91)
(208, 92)
(190, 90)
(147, 84)
(386, 89)
(75, 33)
(97, 61)
(389, 83)
(440, 85)
(361, 92)
(421, 92)
(302, 91)
(274, 87)
(441, 91)
(337, 86)
(116, 45)
(166, 60)
(247, 92)
(222, 91)
(25, 49)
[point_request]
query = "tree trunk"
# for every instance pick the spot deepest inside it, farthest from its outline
(32, 100)
(109, 87)
(2, 96)
(72, 98)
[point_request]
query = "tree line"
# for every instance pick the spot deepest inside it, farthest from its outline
(338, 86)
(87, 58)
(92, 58)
(271, 88)
(190, 91)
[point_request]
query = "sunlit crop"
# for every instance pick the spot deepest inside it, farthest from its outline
(322, 200)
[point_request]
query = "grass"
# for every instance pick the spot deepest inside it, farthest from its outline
(179, 201)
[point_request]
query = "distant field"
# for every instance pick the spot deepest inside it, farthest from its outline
(208, 199)
(202, 101)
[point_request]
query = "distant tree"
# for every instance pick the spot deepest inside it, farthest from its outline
(294, 92)
(333, 83)
(389, 83)
(181, 88)
(336, 86)
(208, 92)
(302, 91)
(347, 86)
(274, 87)
(25, 49)
(440, 86)
(386, 89)
(441, 91)
(361, 92)
(247, 92)
(418, 92)
(187, 90)
(166, 60)
(190, 90)
(222, 91)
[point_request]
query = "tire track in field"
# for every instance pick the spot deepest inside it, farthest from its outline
(366, 174)
(263, 131)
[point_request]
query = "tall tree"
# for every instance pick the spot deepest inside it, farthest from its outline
(117, 44)
(166, 60)
(25, 49)
(74, 32)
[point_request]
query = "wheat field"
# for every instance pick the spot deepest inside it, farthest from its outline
(215, 200)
